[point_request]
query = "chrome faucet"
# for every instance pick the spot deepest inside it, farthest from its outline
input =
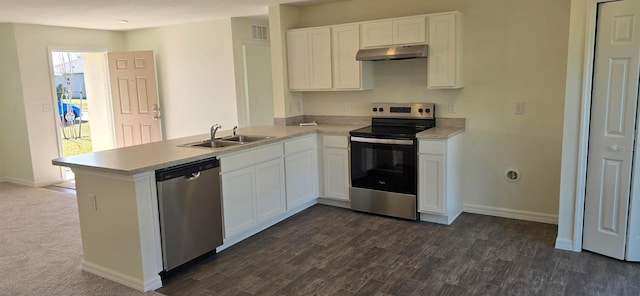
(235, 128)
(213, 130)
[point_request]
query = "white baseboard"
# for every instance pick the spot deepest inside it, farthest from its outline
(509, 213)
(564, 244)
(30, 183)
(334, 202)
(19, 181)
(118, 277)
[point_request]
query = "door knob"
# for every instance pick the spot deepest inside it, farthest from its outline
(615, 148)
(156, 117)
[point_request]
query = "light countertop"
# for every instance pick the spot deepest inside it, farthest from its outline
(152, 156)
(439, 133)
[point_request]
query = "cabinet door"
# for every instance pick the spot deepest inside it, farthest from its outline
(320, 58)
(336, 173)
(431, 183)
(302, 178)
(346, 70)
(298, 59)
(270, 196)
(409, 30)
(238, 192)
(443, 52)
(378, 33)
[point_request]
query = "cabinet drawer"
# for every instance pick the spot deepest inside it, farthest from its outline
(432, 146)
(251, 157)
(300, 144)
(335, 141)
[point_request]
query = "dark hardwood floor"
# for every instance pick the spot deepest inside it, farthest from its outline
(332, 251)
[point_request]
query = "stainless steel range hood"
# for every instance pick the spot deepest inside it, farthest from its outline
(392, 53)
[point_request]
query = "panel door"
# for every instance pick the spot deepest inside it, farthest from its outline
(320, 58)
(270, 190)
(409, 30)
(238, 196)
(302, 178)
(612, 128)
(134, 94)
(347, 72)
(298, 59)
(336, 173)
(431, 183)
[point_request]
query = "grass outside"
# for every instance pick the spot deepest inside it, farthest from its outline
(74, 143)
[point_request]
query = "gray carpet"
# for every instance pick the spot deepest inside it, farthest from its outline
(40, 246)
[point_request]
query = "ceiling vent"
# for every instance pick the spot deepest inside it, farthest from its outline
(259, 32)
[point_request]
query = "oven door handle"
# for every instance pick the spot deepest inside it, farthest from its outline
(382, 141)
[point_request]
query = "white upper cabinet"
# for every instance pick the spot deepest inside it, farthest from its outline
(445, 51)
(400, 31)
(309, 58)
(349, 74)
(377, 33)
(409, 30)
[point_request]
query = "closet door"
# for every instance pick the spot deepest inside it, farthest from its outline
(612, 129)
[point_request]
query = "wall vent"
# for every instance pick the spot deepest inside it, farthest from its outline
(259, 32)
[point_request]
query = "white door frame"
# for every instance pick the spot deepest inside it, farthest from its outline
(585, 119)
(54, 95)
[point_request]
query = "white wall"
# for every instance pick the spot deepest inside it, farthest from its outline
(15, 159)
(282, 18)
(241, 33)
(514, 51)
(573, 98)
(32, 44)
(196, 78)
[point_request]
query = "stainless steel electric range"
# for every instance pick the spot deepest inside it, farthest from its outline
(384, 159)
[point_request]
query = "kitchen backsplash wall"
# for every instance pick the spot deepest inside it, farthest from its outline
(514, 51)
(403, 81)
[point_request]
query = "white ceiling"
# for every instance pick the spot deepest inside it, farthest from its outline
(103, 14)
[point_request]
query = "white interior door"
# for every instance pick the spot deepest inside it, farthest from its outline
(134, 94)
(612, 128)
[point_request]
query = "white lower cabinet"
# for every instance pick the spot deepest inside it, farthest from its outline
(335, 166)
(238, 192)
(270, 190)
(301, 165)
(439, 179)
(253, 190)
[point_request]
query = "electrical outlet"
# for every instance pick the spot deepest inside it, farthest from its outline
(47, 107)
(299, 105)
(344, 107)
(93, 202)
(518, 108)
(452, 109)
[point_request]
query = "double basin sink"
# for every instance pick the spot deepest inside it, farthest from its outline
(227, 141)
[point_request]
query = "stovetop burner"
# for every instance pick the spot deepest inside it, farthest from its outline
(398, 121)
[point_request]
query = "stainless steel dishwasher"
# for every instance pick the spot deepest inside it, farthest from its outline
(190, 211)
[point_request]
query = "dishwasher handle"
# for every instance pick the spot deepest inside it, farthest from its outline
(193, 176)
(189, 171)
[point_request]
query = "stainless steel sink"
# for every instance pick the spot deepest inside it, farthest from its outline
(227, 141)
(211, 144)
(245, 138)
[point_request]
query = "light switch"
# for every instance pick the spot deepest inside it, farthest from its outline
(344, 106)
(518, 108)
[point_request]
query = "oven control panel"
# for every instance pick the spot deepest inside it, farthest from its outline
(404, 110)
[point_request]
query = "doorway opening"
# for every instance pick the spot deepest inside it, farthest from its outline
(82, 103)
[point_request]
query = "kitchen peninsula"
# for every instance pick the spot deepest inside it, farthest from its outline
(117, 197)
